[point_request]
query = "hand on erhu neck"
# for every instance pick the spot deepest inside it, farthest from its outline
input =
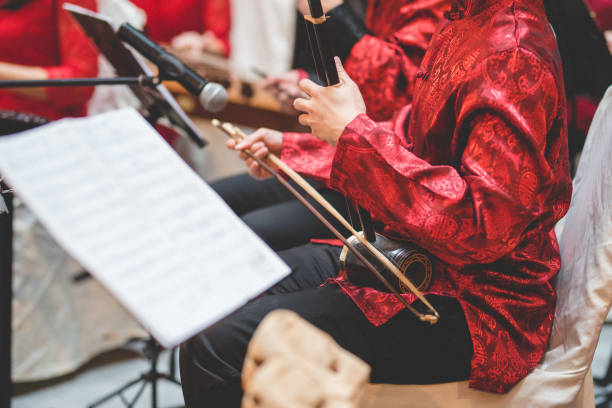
(331, 108)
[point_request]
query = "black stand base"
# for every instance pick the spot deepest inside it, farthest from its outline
(6, 297)
(152, 351)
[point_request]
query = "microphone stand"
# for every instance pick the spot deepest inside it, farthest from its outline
(142, 80)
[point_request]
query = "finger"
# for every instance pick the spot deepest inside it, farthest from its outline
(243, 156)
(230, 144)
(304, 120)
(255, 170)
(261, 153)
(344, 77)
(284, 98)
(303, 105)
(250, 162)
(309, 87)
(252, 138)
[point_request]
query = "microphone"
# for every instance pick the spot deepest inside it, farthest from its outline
(213, 96)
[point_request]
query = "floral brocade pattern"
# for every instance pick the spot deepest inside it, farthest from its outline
(476, 172)
(385, 64)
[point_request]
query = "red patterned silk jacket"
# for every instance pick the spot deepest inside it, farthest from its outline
(476, 172)
(385, 63)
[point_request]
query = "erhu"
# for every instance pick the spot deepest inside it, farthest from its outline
(365, 254)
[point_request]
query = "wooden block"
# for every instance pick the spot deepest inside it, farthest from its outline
(292, 361)
(277, 384)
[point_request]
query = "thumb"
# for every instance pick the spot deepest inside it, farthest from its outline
(344, 77)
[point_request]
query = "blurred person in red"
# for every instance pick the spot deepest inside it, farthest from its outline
(39, 40)
(191, 26)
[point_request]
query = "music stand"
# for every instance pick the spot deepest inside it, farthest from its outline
(156, 100)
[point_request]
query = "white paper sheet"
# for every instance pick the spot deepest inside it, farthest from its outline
(119, 200)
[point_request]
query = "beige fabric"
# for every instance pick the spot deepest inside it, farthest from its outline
(459, 395)
(58, 324)
(584, 287)
(262, 36)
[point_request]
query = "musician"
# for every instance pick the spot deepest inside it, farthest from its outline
(475, 171)
(39, 40)
(190, 26)
(383, 56)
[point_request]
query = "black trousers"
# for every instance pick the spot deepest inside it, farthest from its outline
(274, 214)
(402, 351)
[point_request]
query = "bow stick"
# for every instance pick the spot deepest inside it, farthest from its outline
(238, 135)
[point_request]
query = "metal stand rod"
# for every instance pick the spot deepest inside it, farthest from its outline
(152, 351)
(6, 298)
(43, 83)
(154, 380)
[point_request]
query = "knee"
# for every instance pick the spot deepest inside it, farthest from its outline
(205, 378)
(266, 227)
(200, 358)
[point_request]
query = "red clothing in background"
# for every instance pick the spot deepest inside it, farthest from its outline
(42, 34)
(168, 18)
(475, 172)
(385, 63)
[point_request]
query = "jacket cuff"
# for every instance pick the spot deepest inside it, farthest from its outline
(346, 158)
(307, 155)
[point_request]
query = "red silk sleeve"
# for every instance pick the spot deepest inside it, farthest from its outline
(385, 65)
(313, 157)
(79, 58)
(308, 155)
(217, 18)
(500, 183)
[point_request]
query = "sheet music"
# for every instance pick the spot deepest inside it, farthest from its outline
(120, 200)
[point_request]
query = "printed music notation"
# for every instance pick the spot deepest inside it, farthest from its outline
(120, 200)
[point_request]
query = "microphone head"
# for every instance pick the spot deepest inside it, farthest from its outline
(213, 97)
